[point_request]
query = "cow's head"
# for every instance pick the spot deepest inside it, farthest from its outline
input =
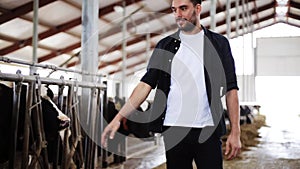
(59, 120)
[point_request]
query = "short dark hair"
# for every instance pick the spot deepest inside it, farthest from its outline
(195, 2)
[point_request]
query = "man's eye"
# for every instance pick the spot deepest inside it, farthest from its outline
(183, 8)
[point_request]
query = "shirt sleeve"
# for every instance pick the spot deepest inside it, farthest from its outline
(229, 66)
(150, 77)
(154, 67)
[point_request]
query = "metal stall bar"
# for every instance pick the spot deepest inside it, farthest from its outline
(92, 122)
(14, 125)
(40, 147)
(32, 80)
(49, 81)
(98, 123)
(104, 115)
(30, 87)
(46, 66)
(60, 101)
(65, 141)
(76, 136)
(30, 90)
(75, 106)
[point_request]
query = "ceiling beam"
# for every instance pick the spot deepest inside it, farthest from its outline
(128, 67)
(294, 4)
(138, 22)
(233, 29)
(110, 8)
(272, 16)
(292, 24)
(60, 28)
(130, 55)
(143, 37)
(21, 10)
(52, 31)
(117, 29)
(74, 4)
(130, 25)
(3, 10)
(142, 20)
(254, 11)
(222, 8)
(58, 52)
(294, 16)
(168, 10)
(8, 38)
(118, 47)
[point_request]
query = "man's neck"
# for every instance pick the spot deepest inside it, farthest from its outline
(196, 30)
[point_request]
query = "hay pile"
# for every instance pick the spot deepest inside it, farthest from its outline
(249, 133)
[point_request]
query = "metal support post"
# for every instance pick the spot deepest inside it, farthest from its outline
(89, 63)
(213, 9)
(237, 17)
(228, 19)
(35, 35)
(124, 53)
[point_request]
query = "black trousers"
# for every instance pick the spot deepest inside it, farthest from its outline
(182, 147)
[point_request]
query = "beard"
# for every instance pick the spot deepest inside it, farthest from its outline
(185, 24)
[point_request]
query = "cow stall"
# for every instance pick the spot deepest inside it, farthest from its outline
(68, 142)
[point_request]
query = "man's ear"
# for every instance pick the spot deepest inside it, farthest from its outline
(198, 8)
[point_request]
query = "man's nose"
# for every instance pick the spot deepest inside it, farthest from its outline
(178, 13)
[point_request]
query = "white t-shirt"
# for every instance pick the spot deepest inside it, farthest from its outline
(187, 103)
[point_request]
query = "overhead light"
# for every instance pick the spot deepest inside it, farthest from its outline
(282, 8)
(282, 2)
(118, 9)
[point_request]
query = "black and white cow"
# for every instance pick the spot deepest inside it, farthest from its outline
(246, 114)
(136, 125)
(53, 119)
(137, 122)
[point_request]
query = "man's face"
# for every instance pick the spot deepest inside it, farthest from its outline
(186, 14)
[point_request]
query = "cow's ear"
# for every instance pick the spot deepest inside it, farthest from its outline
(50, 93)
(46, 92)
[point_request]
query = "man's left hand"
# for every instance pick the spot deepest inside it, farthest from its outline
(233, 146)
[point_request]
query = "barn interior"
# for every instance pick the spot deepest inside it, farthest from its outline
(94, 52)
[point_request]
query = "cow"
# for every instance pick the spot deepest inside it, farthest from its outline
(135, 125)
(246, 115)
(53, 119)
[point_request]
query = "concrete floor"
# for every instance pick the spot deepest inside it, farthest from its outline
(278, 148)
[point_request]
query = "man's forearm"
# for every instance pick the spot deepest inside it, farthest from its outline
(233, 109)
(138, 96)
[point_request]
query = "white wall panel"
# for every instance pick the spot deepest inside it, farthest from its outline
(278, 56)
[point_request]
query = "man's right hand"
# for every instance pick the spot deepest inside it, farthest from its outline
(139, 95)
(110, 130)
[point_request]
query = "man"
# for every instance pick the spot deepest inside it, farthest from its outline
(189, 69)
